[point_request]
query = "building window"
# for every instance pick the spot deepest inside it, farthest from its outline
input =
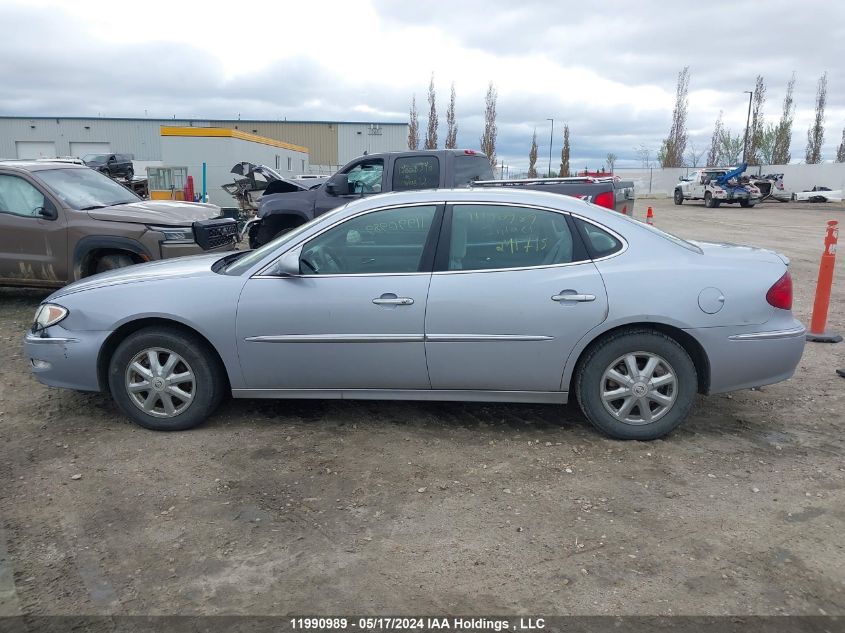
(278, 162)
(303, 165)
(290, 164)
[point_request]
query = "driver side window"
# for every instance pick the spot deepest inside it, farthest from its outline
(388, 241)
(366, 177)
(18, 197)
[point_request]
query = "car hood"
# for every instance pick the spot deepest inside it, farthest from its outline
(726, 250)
(159, 212)
(140, 273)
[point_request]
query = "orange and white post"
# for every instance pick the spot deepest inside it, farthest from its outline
(818, 322)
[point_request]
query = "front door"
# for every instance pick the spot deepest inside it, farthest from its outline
(33, 237)
(512, 294)
(354, 317)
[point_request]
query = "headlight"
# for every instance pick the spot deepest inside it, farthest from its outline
(48, 314)
(175, 233)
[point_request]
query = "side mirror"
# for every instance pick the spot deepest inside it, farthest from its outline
(338, 185)
(47, 211)
(288, 264)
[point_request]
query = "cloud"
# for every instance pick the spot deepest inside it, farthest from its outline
(609, 74)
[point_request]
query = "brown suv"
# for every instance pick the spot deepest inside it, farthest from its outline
(60, 222)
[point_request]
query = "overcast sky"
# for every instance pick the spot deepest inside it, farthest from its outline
(608, 69)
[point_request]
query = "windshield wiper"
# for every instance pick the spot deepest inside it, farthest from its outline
(93, 206)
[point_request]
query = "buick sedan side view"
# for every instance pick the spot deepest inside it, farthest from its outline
(470, 294)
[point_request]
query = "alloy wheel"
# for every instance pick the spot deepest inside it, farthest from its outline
(639, 388)
(160, 382)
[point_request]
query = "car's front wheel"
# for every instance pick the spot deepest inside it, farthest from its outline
(165, 379)
(636, 385)
(679, 196)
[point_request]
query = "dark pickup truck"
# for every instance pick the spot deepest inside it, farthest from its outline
(281, 210)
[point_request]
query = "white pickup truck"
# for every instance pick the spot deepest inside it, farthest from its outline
(716, 185)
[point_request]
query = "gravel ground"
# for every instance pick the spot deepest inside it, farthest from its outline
(357, 507)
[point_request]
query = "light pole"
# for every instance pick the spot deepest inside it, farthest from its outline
(747, 120)
(551, 140)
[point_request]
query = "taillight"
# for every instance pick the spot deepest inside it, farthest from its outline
(605, 199)
(780, 294)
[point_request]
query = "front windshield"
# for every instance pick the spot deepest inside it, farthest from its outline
(249, 260)
(84, 189)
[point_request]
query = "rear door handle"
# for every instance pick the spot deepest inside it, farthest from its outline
(573, 297)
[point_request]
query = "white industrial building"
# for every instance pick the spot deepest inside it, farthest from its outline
(330, 143)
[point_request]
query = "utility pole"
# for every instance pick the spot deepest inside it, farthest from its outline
(551, 141)
(747, 121)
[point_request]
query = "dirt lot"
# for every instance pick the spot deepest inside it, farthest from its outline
(340, 507)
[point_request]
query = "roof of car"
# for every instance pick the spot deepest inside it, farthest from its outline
(33, 165)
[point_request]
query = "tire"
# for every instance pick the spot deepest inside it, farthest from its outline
(130, 174)
(747, 204)
(592, 381)
(205, 388)
(679, 196)
(271, 228)
(113, 262)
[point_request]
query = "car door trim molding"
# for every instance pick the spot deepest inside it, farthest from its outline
(396, 338)
(337, 338)
(485, 338)
(458, 395)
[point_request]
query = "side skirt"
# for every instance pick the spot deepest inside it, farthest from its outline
(457, 395)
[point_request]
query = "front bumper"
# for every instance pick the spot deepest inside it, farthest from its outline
(745, 359)
(60, 358)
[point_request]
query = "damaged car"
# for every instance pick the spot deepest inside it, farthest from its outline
(60, 222)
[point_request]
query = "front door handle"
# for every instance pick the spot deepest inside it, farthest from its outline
(573, 297)
(391, 299)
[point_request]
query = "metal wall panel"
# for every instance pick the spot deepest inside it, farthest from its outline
(356, 138)
(319, 138)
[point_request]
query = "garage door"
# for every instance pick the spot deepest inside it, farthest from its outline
(80, 149)
(35, 149)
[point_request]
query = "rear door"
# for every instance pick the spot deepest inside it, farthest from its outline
(33, 235)
(512, 293)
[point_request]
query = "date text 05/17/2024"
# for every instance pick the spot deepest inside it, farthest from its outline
(426, 623)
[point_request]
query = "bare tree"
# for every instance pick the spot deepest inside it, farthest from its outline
(713, 154)
(413, 126)
(840, 152)
(451, 124)
(755, 134)
(674, 145)
(488, 139)
(783, 131)
(694, 156)
(815, 135)
(611, 161)
(431, 136)
(644, 154)
(564, 153)
(532, 157)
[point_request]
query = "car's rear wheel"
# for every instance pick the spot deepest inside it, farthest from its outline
(679, 196)
(636, 385)
(165, 379)
(747, 204)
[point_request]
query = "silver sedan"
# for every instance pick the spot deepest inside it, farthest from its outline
(485, 295)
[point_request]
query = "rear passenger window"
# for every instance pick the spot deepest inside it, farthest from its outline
(416, 172)
(599, 242)
(487, 237)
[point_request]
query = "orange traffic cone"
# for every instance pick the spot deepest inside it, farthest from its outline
(649, 217)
